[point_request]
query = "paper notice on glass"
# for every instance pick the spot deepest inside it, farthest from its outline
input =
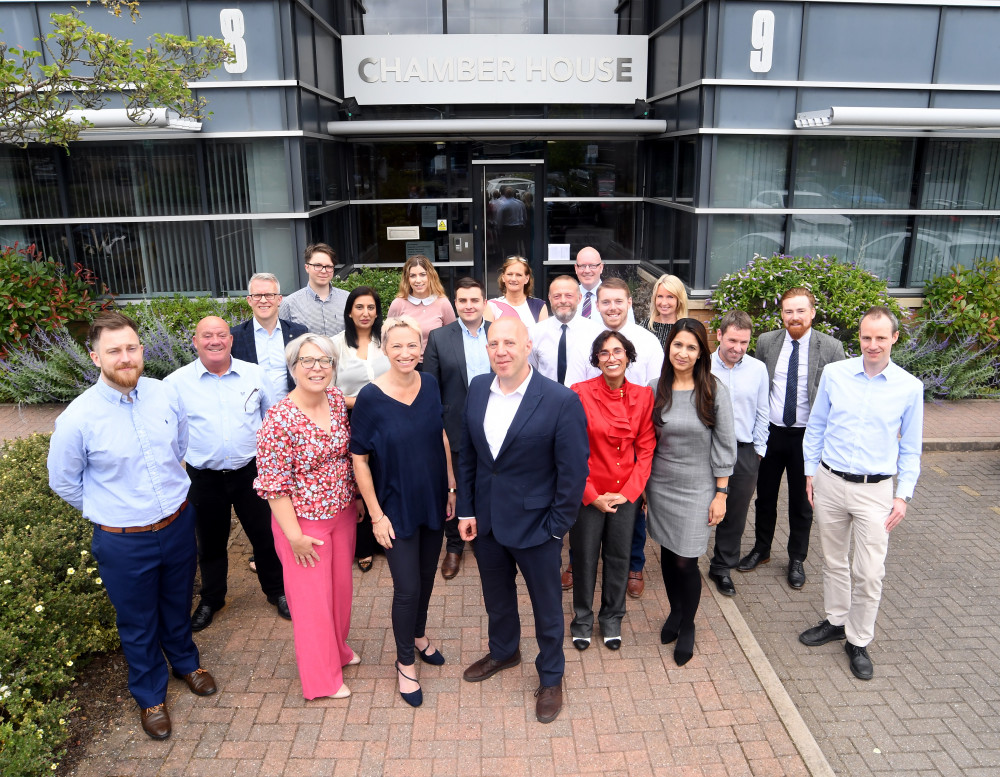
(559, 252)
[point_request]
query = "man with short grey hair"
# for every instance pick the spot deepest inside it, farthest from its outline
(263, 338)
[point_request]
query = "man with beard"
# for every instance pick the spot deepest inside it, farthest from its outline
(795, 358)
(560, 344)
(116, 455)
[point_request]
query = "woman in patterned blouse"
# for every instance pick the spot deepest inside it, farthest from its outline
(304, 471)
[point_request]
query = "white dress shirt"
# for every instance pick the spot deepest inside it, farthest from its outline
(580, 336)
(595, 314)
(648, 351)
(748, 390)
(781, 378)
(500, 411)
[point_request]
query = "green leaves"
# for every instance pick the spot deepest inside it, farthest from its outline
(965, 302)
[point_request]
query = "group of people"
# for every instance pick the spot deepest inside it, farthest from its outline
(332, 431)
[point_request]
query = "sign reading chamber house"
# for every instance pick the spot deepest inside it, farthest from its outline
(420, 69)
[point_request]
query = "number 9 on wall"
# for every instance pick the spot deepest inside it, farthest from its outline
(762, 40)
(231, 21)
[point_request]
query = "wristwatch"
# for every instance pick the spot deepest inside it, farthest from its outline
(722, 489)
(907, 499)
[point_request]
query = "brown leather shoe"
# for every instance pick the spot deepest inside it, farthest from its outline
(636, 585)
(567, 578)
(486, 667)
(451, 564)
(155, 721)
(199, 681)
(548, 702)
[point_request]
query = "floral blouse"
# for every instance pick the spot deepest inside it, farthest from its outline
(297, 459)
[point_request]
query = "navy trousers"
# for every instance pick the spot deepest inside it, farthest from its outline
(149, 577)
(498, 567)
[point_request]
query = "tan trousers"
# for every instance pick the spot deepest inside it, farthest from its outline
(846, 511)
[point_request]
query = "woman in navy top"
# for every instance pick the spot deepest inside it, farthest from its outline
(402, 462)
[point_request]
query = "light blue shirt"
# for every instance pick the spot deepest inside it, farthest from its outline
(319, 316)
(748, 389)
(271, 357)
(224, 412)
(477, 359)
(867, 426)
(118, 459)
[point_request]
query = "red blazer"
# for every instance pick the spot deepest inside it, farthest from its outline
(621, 436)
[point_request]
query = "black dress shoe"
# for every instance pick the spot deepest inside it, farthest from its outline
(752, 560)
(282, 604)
(202, 617)
(613, 643)
(724, 583)
(861, 664)
(796, 574)
(821, 634)
(581, 643)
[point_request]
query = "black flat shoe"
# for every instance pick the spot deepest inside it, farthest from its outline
(861, 664)
(365, 564)
(413, 698)
(669, 631)
(684, 649)
(723, 582)
(612, 643)
(796, 574)
(581, 643)
(752, 560)
(434, 659)
(201, 618)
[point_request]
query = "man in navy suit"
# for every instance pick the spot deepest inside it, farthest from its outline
(522, 471)
(263, 338)
(456, 354)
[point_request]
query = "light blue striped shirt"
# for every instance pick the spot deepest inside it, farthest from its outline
(119, 461)
(224, 412)
(867, 426)
(748, 386)
(319, 316)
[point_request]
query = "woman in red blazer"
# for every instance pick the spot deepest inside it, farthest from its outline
(622, 441)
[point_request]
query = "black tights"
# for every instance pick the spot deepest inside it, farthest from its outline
(682, 580)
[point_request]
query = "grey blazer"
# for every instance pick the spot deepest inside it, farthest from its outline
(823, 350)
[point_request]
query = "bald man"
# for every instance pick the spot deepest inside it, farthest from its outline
(589, 268)
(225, 400)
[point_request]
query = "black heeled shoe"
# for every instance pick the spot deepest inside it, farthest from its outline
(434, 659)
(684, 649)
(413, 698)
(365, 564)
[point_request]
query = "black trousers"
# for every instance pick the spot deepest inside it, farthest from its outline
(412, 564)
(215, 494)
(453, 542)
(784, 455)
(729, 533)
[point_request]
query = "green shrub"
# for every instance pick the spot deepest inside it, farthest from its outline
(54, 611)
(38, 294)
(966, 302)
(183, 313)
(843, 293)
(385, 282)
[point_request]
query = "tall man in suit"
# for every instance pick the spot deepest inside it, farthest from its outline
(263, 338)
(456, 354)
(521, 476)
(795, 358)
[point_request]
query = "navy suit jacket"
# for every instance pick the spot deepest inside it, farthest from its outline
(245, 346)
(444, 358)
(533, 490)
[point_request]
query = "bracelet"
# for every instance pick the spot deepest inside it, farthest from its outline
(374, 522)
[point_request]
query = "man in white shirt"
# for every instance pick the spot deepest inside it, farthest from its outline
(589, 267)
(560, 345)
(319, 306)
(746, 379)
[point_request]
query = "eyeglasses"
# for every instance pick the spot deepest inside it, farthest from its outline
(311, 361)
(261, 297)
(588, 266)
(320, 267)
(605, 355)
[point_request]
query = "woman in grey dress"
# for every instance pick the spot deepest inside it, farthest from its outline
(687, 488)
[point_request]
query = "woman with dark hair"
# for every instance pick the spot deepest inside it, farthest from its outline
(516, 284)
(620, 433)
(359, 360)
(422, 296)
(689, 481)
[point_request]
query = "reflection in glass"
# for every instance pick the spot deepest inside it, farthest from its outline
(374, 247)
(385, 171)
(961, 174)
(856, 172)
(583, 17)
(751, 172)
(509, 198)
(686, 170)
(401, 17)
(943, 242)
(591, 169)
(495, 16)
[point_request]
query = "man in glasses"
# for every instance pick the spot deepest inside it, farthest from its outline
(589, 267)
(225, 400)
(263, 338)
(319, 307)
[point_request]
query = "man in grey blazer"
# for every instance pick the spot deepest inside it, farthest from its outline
(455, 354)
(795, 358)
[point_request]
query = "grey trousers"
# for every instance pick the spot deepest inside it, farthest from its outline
(729, 533)
(608, 536)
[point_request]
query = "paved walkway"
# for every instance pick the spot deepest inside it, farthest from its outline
(753, 701)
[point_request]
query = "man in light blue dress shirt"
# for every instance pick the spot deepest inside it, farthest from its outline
(319, 306)
(225, 400)
(748, 384)
(116, 455)
(866, 425)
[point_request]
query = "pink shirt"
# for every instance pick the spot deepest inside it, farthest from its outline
(430, 316)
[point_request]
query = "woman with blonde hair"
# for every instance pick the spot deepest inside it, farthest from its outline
(422, 296)
(515, 298)
(667, 303)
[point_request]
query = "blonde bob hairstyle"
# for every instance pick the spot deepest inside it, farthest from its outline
(433, 279)
(324, 343)
(529, 284)
(399, 322)
(672, 285)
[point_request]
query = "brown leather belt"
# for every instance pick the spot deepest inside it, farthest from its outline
(151, 527)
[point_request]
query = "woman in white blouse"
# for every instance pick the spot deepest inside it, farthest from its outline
(515, 298)
(359, 361)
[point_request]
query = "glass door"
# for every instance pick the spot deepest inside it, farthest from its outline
(510, 220)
